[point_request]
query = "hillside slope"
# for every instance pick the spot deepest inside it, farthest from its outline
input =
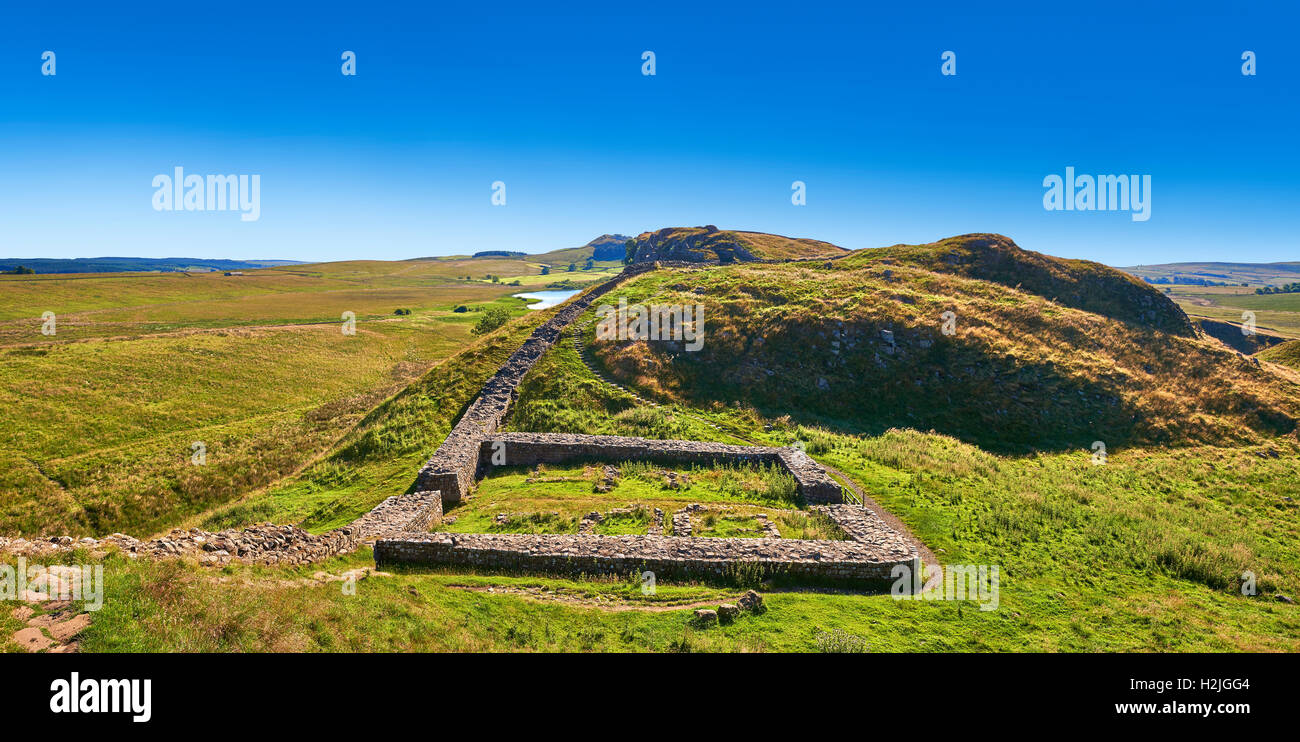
(1081, 284)
(709, 244)
(860, 346)
(1286, 354)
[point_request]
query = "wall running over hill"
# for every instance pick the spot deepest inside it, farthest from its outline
(452, 467)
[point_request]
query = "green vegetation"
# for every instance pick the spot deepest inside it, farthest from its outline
(1080, 284)
(987, 462)
(380, 454)
(1020, 373)
(552, 499)
(1290, 288)
(1278, 314)
(1287, 354)
(491, 320)
(206, 388)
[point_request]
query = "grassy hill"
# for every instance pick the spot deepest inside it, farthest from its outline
(860, 347)
(1287, 354)
(708, 243)
(1144, 553)
(97, 422)
(1081, 284)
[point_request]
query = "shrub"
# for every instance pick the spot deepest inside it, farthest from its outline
(491, 320)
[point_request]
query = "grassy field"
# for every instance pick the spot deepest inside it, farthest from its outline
(1277, 313)
(1145, 552)
(255, 368)
(1141, 554)
(553, 499)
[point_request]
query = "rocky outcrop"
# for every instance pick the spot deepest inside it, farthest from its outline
(710, 245)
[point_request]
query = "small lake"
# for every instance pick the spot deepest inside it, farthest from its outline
(545, 299)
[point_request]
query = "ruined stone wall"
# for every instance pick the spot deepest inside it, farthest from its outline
(452, 467)
(260, 544)
(530, 449)
(666, 556)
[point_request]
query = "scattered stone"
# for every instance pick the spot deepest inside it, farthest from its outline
(32, 639)
(752, 602)
(727, 612)
(706, 617)
(65, 630)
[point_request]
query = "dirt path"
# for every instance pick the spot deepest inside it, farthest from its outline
(609, 604)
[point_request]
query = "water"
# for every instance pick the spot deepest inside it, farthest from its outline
(546, 299)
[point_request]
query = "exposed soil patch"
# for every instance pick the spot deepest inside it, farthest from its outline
(603, 602)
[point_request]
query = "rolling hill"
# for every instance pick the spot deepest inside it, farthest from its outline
(1080, 284)
(709, 244)
(123, 265)
(1044, 353)
(1214, 274)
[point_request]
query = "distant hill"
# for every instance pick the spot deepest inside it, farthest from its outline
(128, 265)
(1081, 284)
(1218, 274)
(605, 248)
(708, 243)
(499, 254)
(609, 246)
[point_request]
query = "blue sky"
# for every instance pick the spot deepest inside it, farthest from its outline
(398, 161)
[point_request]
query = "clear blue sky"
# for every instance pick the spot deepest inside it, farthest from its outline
(398, 161)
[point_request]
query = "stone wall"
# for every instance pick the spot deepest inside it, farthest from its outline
(666, 556)
(452, 468)
(261, 544)
(530, 449)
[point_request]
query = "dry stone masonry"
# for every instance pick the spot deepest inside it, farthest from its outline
(453, 466)
(666, 556)
(261, 544)
(530, 449)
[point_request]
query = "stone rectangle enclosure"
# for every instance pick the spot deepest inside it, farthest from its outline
(530, 449)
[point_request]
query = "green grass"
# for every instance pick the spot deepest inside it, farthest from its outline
(254, 367)
(1143, 553)
(380, 455)
(1287, 354)
(1278, 313)
(553, 498)
(1019, 374)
